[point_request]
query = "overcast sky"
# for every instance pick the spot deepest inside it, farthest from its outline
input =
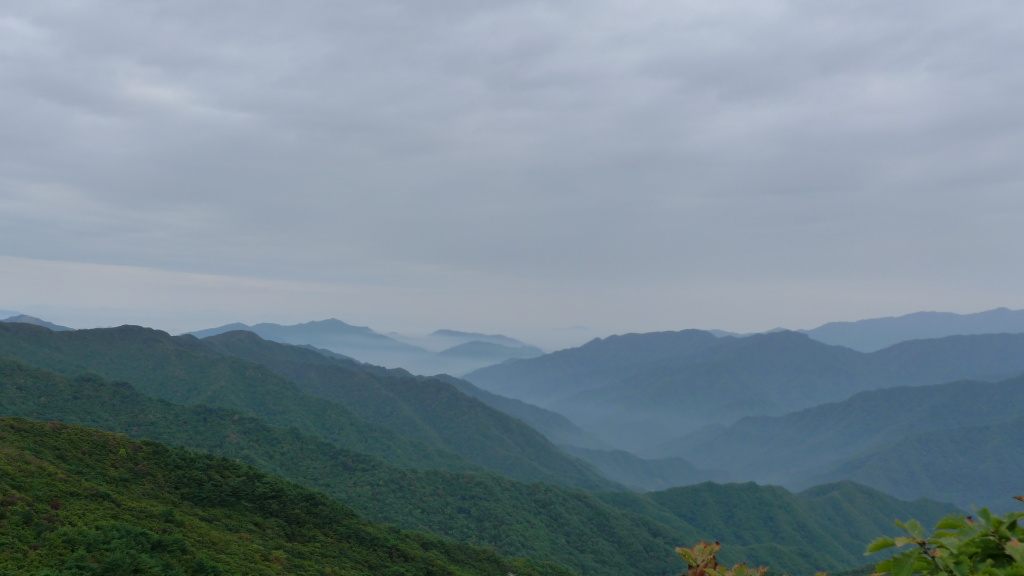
(517, 167)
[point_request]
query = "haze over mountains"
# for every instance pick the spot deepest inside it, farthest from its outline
(639, 390)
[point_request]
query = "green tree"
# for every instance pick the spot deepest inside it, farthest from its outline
(989, 545)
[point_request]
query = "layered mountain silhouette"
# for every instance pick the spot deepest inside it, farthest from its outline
(459, 352)
(638, 391)
(957, 442)
(877, 333)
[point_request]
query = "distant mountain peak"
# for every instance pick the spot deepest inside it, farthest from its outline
(26, 319)
(465, 337)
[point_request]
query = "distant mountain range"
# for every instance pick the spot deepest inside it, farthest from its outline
(459, 352)
(640, 390)
(877, 333)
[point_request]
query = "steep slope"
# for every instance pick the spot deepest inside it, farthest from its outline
(91, 502)
(877, 333)
(429, 409)
(183, 370)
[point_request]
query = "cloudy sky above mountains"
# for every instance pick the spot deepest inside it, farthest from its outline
(510, 166)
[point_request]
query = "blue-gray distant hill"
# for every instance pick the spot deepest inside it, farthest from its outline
(358, 342)
(877, 333)
(959, 442)
(456, 337)
(460, 352)
(25, 319)
(640, 390)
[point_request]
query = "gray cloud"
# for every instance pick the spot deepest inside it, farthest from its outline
(738, 155)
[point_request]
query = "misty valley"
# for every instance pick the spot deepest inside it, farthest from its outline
(326, 448)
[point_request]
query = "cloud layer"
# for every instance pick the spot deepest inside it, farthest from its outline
(495, 165)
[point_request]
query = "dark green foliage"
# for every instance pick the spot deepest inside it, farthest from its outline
(989, 545)
(79, 501)
(427, 409)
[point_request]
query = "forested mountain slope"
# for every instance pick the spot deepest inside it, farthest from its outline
(186, 370)
(183, 370)
(429, 409)
(623, 534)
(85, 502)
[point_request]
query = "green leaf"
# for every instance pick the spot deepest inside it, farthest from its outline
(879, 544)
(1015, 548)
(903, 565)
(913, 527)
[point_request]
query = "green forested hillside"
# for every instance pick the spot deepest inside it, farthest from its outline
(823, 528)
(183, 370)
(429, 409)
(615, 533)
(535, 520)
(75, 501)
